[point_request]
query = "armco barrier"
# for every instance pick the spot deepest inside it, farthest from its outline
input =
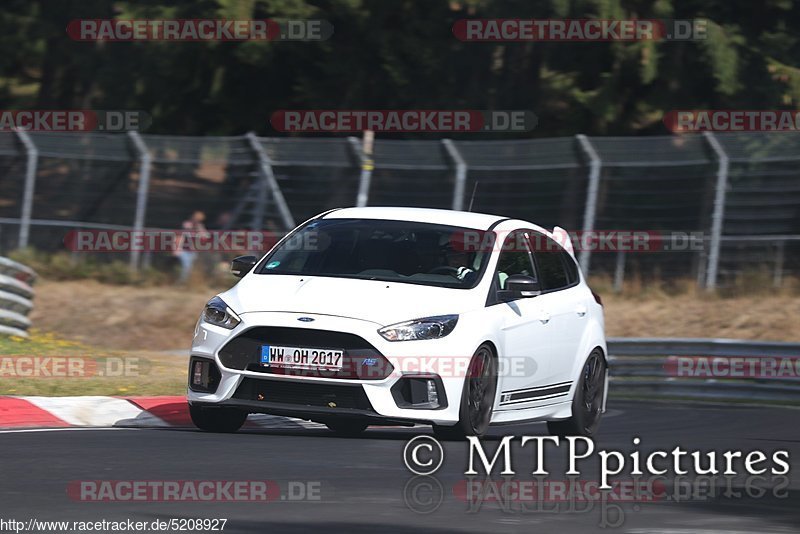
(16, 297)
(643, 368)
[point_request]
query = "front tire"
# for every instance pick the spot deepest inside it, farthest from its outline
(587, 404)
(477, 398)
(223, 420)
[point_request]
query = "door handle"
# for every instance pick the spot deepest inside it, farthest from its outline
(581, 310)
(543, 317)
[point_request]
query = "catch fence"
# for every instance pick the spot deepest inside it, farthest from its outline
(728, 205)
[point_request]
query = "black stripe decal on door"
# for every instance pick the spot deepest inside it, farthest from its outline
(533, 394)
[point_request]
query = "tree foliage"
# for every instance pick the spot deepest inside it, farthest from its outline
(402, 54)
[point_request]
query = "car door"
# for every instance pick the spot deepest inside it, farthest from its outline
(524, 329)
(565, 301)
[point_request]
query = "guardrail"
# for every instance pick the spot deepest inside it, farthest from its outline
(705, 370)
(16, 297)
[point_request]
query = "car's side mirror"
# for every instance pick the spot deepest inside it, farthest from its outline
(241, 266)
(520, 286)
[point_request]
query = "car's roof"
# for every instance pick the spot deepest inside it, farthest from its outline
(463, 219)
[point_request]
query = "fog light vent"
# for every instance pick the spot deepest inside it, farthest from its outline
(433, 395)
(420, 393)
(203, 375)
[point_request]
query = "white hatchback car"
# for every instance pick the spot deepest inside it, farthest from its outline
(400, 316)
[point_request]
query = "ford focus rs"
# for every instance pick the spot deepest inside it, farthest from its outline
(400, 316)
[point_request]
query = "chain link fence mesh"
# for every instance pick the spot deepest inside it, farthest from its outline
(657, 184)
(314, 175)
(541, 180)
(762, 199)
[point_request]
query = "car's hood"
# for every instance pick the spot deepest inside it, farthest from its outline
(382, 303)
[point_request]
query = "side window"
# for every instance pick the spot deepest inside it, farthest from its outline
(552, 270)
(514, 258)
(572, 267)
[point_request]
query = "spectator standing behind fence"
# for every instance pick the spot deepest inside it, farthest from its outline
(193, 229)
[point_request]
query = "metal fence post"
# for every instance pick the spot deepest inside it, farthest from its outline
(141, 195)
(780, 258)
(702, 266)
(364, 153)
(30, 184)
(461, 174)
(265, 171)
(619, 271)
(592, 192)
(362, 197)
(262, 190)
(719, 210)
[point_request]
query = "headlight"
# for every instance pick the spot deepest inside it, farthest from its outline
(427, 328)
(218, 313)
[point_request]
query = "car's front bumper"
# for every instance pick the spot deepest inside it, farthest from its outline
(374, 398)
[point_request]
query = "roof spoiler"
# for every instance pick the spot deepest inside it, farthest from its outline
(562, 237)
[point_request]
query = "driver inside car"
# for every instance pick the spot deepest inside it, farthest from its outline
(458, 258)
(460, 261)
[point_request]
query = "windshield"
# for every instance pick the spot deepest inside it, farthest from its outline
(393, 251)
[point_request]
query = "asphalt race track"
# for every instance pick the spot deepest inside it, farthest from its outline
(364, 486)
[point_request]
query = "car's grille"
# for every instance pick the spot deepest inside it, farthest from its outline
(361, 360)
(303, 393)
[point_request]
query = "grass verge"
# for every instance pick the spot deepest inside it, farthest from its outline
(45, 364)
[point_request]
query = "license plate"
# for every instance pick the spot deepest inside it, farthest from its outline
(301, 358)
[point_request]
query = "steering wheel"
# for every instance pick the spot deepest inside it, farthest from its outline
(445, 269)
